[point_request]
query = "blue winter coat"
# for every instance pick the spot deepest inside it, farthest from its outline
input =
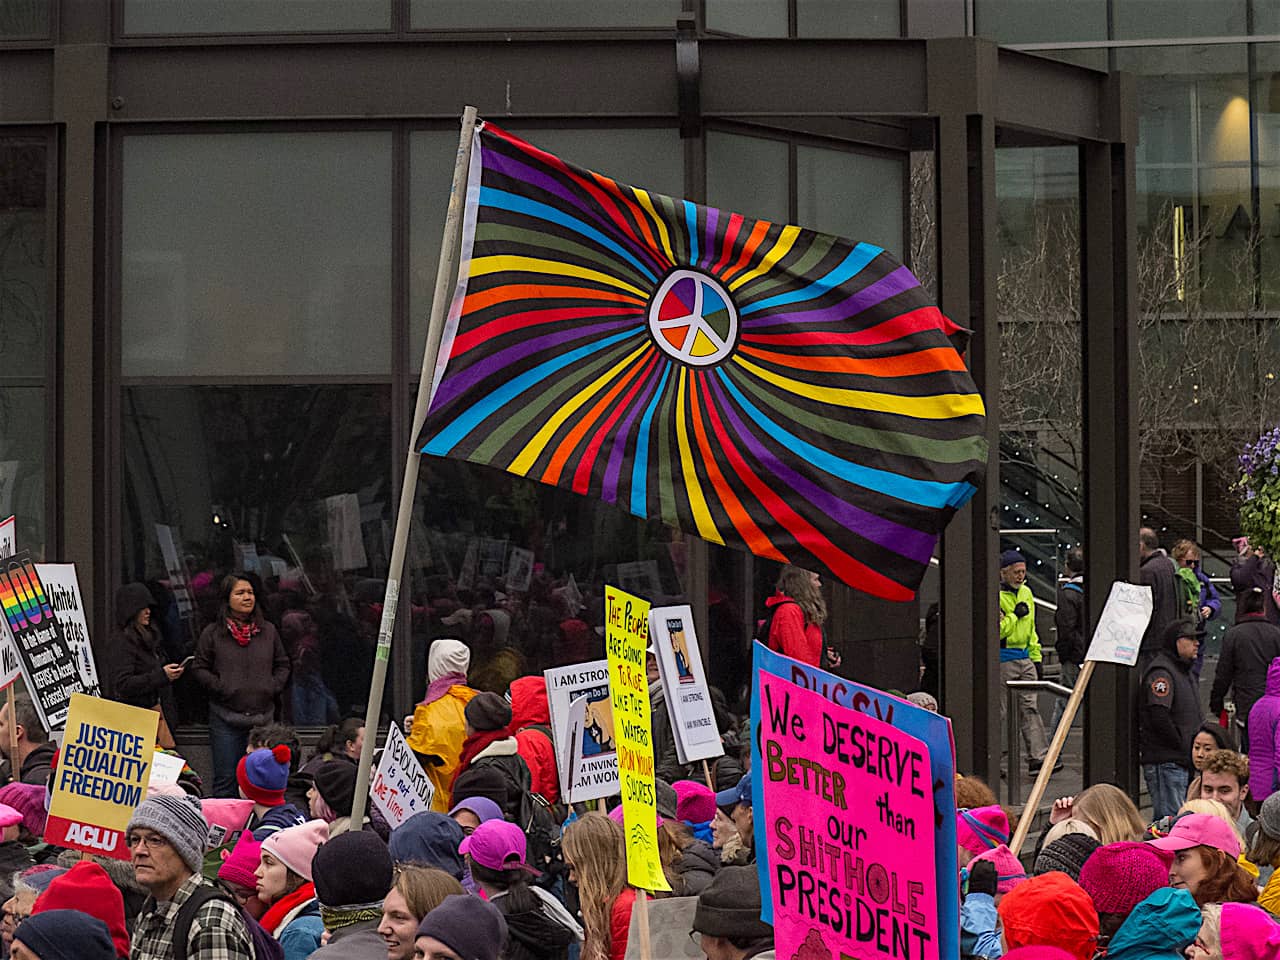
(1159, 928)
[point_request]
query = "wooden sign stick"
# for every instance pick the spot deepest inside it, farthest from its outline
(1051, 758)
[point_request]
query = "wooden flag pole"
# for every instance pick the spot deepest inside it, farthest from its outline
(409, 485)
(1051, 758)
(706, 770)
(642, 904)
(15, 774)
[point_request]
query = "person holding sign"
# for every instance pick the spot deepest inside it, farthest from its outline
(595, 853)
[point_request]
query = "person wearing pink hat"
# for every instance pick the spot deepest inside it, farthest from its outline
(1118, 877)
(13, 854)
(1205, 851)
(979, 830)
(539, 926)
(992, 874)
(1236, 931)
(284, 883)
(238, 873)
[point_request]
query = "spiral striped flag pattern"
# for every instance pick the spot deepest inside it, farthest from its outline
(757, 384)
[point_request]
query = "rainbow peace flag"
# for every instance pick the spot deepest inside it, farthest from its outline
(756, 384)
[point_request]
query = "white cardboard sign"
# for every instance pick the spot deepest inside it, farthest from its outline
(693, 721)
(597, 770)
(400, 786)
(8, 537)
(63, 590)
(1123, 622)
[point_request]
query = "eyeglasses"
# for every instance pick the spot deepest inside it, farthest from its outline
(696, 937)
(151, 841)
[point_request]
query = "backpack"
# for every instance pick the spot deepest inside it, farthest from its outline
(542, 834)
(265, 946)
(764, 626)
(1189, 593)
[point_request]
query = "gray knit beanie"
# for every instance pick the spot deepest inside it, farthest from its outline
(179, 820)
(1269, 816)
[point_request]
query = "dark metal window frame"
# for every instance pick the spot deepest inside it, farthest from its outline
(48, 379)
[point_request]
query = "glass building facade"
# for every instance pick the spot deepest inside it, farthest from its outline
(221, 376)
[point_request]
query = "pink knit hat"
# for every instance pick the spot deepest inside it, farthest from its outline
(981, 828)
(28, 800)
(1248, 933)
(695, 802)
(1009, 870)
(9, 816)
(239, 864)
(1120, 876)
(296, 846)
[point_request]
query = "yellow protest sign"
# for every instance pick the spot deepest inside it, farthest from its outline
(626, 638)
(103, 769)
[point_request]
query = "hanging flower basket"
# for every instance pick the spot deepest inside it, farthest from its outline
(1259, 491)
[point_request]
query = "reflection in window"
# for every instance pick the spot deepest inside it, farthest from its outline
(22, 437)
(646, 157)
(748, 18)
(1041, 21)
(1267, 105)
(543, 14)
(1149, 19)
(25, 19)
(289, 483)
(848, 18)
(748, 175)
(852, 195)
(256, 253)
(254, 16)
(24, 306)
(516, 570)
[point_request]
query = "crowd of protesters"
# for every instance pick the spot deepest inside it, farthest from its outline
(502, 868)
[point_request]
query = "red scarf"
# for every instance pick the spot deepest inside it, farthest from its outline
(280, 909)
(474, 745)
(243, 631)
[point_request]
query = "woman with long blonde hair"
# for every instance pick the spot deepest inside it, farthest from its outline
(594, 851)
(1106, 809)
(796, 615)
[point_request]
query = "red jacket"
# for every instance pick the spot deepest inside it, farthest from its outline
(528, 709)
(790, 635)
(620, 923)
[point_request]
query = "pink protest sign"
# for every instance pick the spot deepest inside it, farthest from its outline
(848, 809)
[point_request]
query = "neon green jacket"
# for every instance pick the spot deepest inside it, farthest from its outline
(1018, 638)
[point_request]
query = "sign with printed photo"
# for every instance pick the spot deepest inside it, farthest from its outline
(693, 720)
(63, 589)
(598, 767)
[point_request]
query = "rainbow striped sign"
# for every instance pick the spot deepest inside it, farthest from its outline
(756, 384)
(49, 668)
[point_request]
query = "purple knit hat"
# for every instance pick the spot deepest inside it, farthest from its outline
(1120, 876)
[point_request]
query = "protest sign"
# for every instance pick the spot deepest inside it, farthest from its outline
(1123, 622)
(50, 671)
(598, 765)
(688, 702)
(175, 569)
(931, 728)
(848, 822)
(519, 570)
(626, 620)
(63, 588)
(165, 768)
(8, 537)
(400, 786)
(10, 665)
(103, 770)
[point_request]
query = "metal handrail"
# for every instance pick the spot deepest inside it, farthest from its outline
(1013, 687)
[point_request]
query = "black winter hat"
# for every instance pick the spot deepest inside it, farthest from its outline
(131, 599)
(1066, 854)
(336, 782)
(484, 780)
(488, 711)
(353, 869)
(729, 906)
(1174, 632)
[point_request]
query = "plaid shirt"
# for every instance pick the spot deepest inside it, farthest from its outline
(217, 931)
